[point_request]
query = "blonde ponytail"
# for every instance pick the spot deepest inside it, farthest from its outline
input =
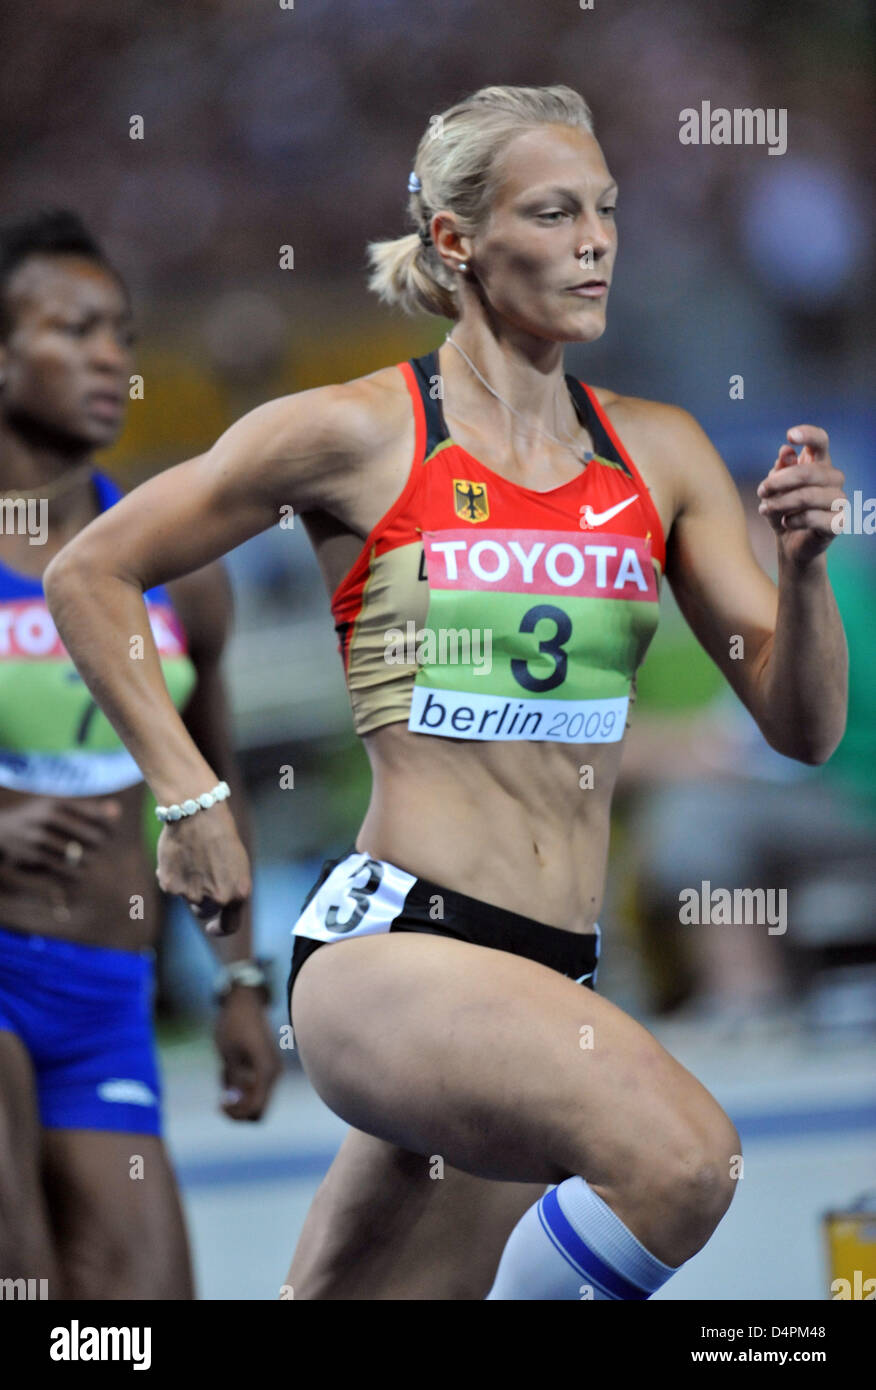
(404, 274)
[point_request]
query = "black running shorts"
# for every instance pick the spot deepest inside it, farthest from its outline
(356, 895)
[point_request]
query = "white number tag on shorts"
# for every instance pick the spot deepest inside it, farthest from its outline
(361, 897)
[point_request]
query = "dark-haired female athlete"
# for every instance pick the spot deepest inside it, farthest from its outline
(88, 1200)
(524, 520)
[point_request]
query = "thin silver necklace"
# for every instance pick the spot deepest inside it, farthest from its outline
(581, 455)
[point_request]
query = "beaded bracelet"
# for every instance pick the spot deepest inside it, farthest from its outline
(188, 808)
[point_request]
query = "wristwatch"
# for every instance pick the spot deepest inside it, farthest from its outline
(251, 973)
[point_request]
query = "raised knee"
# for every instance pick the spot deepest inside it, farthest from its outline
(705, 1190)
(696, 1184)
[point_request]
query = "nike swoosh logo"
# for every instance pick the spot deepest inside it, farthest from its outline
(581, 978)
(592, 518)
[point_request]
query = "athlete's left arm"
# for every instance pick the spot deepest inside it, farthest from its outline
(790, 667)
(204, 603)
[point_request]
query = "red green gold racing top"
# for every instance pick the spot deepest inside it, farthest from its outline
(480, 609)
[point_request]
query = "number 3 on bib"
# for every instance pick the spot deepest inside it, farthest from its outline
(551, 646)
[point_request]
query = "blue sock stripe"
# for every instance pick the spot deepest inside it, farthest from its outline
(582, 1273)
(582, 1256)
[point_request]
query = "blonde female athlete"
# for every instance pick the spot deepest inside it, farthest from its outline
(489, 499)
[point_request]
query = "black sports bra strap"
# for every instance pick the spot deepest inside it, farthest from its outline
(602, 442)
(426, 372)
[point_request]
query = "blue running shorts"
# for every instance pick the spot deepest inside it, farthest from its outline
(84, 1014)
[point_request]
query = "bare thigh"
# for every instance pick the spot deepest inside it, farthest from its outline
(440, 1047)
(25, 1236)
(116, 1216)
(390, 1224)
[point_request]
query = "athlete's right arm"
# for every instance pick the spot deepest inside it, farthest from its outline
(304, 451)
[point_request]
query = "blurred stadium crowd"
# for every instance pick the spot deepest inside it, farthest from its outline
(266, 127)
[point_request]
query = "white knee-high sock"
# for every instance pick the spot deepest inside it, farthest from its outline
(571, 1245)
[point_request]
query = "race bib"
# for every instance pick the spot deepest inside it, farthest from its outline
(360, 897)
(532, 634)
